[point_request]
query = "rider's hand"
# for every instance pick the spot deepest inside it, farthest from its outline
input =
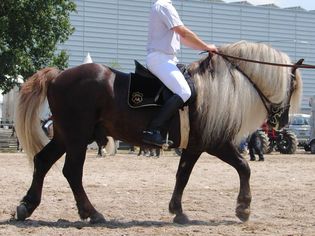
(211, 48)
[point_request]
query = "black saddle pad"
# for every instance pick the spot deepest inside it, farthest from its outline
(145, 89)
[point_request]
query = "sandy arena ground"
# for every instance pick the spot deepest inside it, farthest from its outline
(133, 194)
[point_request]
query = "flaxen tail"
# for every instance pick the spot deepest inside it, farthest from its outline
(27, 118)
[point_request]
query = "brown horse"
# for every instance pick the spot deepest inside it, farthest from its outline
(89, 102)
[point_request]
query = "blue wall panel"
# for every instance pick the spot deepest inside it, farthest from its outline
(114, 32)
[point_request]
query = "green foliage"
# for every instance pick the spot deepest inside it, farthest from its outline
(30, 31)
(114, 64)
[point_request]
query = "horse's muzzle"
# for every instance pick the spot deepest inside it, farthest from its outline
(279, 117)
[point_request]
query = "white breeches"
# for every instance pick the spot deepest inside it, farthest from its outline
(164, 67)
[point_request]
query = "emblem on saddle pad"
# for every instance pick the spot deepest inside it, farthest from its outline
(137, 97)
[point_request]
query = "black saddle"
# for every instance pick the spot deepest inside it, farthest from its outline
(145, 89)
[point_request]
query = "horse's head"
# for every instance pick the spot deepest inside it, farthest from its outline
(273, 76)
(235, 96)
(278, 115)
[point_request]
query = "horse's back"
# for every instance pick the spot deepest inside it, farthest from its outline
(88, 87)
(81, 75)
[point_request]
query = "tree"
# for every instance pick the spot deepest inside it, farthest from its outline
(30, 31)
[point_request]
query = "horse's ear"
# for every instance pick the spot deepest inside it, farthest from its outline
(296, 65)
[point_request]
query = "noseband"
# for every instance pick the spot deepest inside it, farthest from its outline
(275, 110)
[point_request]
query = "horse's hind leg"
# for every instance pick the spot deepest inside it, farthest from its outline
(42, 163)
(229, 154)
(73, 171)
(187, 162)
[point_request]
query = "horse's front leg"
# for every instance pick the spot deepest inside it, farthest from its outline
(73, 171)
(187, 161)
(42, 163)
(230, 155)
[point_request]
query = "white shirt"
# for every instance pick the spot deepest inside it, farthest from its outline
(163, 18)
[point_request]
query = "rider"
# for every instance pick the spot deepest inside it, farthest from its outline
(166, 32)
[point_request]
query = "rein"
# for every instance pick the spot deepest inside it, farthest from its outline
(264, 99)
(306, 66)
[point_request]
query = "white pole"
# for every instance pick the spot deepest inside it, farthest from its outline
(312, 105)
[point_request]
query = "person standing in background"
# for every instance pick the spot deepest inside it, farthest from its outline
(255, 146)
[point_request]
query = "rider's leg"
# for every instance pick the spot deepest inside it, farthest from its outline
(164, 67)
(152, 134)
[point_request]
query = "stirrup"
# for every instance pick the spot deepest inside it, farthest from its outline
(160, 142)
(167, 143)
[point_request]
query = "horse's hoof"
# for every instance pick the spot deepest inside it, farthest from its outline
(97, 218)
(242, 213)
(21, 212)
(181, 219)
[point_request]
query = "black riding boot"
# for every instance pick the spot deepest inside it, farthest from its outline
(152, 135)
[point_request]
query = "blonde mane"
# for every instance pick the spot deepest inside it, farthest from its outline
(228, 105)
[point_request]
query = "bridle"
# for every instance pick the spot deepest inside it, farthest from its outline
(275, 111)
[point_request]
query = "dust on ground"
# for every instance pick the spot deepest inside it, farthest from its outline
(133, 194)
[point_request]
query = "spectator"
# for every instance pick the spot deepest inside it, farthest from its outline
(255, 146)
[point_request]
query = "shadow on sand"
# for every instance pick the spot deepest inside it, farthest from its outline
(61, 223)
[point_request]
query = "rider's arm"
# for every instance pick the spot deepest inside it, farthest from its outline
(190, 39)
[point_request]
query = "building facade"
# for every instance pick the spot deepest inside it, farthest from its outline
(114, 32)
